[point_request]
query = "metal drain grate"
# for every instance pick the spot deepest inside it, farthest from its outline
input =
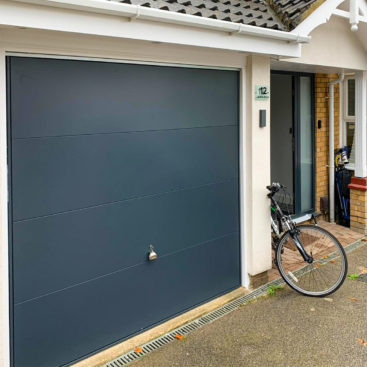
(155, 344)
(191, 326)
(355, 245)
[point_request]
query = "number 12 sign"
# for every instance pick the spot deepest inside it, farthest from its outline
(262, 92)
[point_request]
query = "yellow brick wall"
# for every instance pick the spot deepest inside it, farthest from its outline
(322, 135)
(358, 210)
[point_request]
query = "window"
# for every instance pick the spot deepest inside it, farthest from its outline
(349, 117)
(350, 141)
(351, 85)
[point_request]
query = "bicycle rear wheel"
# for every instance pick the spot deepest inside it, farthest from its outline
(325, 274)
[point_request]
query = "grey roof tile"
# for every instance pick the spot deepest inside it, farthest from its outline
(293, 12)
(251, 12)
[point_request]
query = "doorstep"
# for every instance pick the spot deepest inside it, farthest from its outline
(99, 359)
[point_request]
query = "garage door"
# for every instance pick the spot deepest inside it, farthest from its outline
(107, 159)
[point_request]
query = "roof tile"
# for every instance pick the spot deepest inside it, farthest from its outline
(293, 12)
(251, 12)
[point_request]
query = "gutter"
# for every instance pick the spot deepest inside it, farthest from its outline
(140, 12)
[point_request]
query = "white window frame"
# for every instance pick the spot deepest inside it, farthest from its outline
(346, 118)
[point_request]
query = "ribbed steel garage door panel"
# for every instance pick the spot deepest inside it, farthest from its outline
(69, 248)
(105, 160)
(55, 329)
(76, 172)
(79, 97)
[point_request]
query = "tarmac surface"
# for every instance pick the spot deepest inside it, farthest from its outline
(285, 329)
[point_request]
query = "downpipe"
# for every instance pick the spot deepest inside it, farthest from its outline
(332, 148)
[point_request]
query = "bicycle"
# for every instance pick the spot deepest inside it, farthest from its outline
(309, 258)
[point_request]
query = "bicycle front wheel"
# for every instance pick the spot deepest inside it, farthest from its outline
(328, 269)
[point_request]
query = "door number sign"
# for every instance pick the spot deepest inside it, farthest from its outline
(262, 92)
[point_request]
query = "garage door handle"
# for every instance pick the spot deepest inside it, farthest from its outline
(152, 254)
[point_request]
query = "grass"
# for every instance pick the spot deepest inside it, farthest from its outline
(353, 276)
(273, 288)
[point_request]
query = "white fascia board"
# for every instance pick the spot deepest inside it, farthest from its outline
(127, 21)
(320, 16)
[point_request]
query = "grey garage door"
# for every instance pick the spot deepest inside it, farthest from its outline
(107, 159)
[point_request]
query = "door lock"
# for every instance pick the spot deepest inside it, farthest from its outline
(152, 254)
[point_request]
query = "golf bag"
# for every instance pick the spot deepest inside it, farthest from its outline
(343, 178)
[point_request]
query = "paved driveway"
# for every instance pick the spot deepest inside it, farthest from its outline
(286, 329)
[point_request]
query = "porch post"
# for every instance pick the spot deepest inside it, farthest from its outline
(360, 135)
(358, 186)
(258, 233)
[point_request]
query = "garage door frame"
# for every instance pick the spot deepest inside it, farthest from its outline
(5, 218)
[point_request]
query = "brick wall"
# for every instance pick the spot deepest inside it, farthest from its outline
(358, 204)
(322, 135)
(358, 210)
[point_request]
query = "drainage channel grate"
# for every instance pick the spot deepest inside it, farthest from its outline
(353, 246)
(191, 326)
(187, 328)
(155, 344)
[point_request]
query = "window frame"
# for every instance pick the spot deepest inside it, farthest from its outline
(346, 118)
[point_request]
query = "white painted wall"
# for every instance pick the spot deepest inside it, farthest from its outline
(333, 45)
(258, 241)
(80, 45)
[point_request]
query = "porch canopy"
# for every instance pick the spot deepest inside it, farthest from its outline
(338, 30)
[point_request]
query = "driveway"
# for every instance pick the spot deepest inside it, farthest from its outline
(285, 329)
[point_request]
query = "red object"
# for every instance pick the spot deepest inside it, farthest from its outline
(358, 183)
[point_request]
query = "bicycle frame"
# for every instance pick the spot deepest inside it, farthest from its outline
(290, 225)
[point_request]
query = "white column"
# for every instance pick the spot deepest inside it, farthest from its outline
(245, 280)
(341, 114)
(360, 134)
(4, 265)
(258, 233)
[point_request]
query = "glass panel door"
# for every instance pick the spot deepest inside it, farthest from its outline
(281, 132)
(292, 137)
(305, 147)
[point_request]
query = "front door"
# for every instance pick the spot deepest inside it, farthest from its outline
(292, 138)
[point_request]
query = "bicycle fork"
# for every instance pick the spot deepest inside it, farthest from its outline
(308, 258)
